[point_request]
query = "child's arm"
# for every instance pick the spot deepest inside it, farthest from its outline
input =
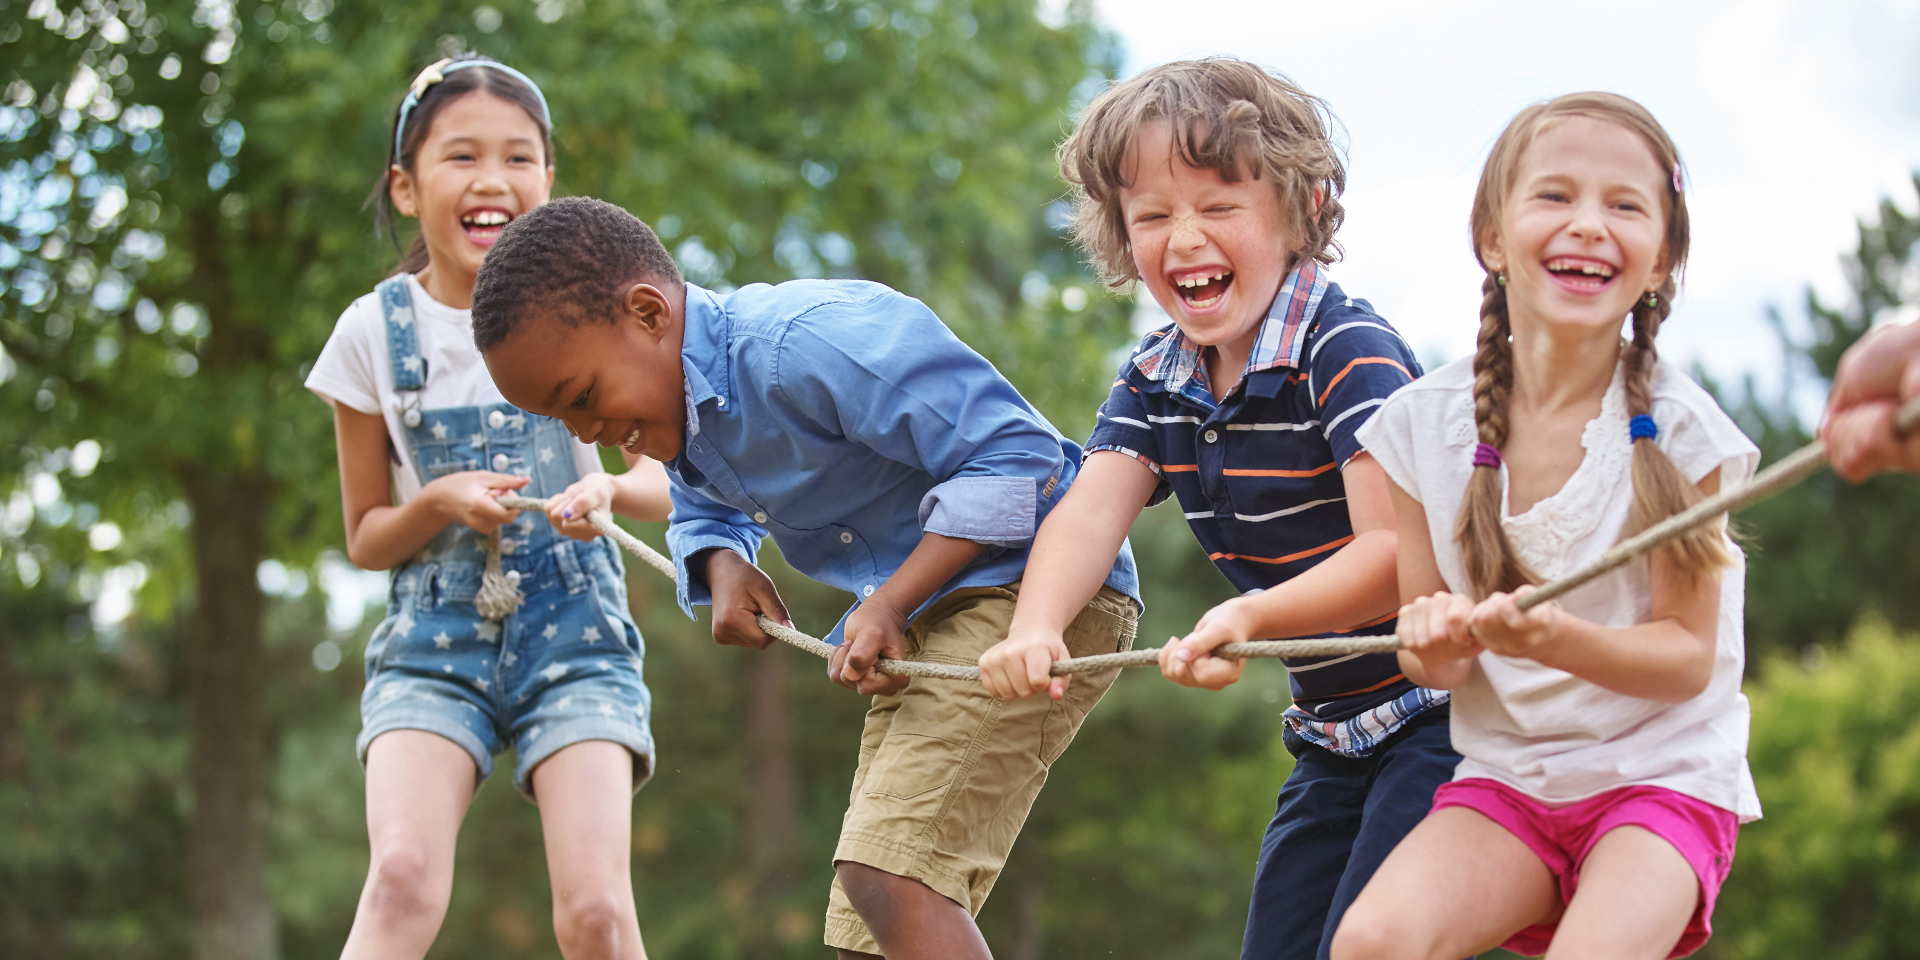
(639, 493)
(1354, 585)
(877, 628)
(1438, 649)
(381, 535)
(1072, 554)
(1669, 658)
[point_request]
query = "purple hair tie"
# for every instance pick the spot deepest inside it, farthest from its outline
(1642, 426)
(1486, 455)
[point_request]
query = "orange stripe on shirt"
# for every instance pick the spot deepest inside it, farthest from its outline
(1357, 361)
(1289, 558)
(1316, 471)
(1180, 467)
(1396, 678)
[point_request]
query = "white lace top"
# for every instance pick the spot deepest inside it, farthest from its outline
(1544, 731)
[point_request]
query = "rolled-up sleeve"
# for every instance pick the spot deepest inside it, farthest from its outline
(908, 389)
(699, 523)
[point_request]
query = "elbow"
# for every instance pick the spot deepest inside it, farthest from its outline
(360, 557)
(1690, 680)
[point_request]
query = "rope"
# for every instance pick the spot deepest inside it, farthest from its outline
(1791, 469)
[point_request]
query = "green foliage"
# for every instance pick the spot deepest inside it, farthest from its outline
(1834, 868)
(1826, 552)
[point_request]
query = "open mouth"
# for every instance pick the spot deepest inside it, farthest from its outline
(483, 226)
(633, 437)
(1581, 273)
(1202, 290)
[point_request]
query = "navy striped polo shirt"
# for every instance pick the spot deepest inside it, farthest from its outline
(1258, 474)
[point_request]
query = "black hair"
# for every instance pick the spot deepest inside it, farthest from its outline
(420, 120)
(573, 258)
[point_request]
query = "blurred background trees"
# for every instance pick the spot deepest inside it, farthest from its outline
(181, 221)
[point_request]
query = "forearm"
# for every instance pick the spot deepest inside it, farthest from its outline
(385, 536)
(641, 493)
(1070, 559)
(1661, 660)
(935, 561)
(1356, 585)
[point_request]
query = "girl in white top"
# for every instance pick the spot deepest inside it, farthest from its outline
(426, 445)
(1604, 736)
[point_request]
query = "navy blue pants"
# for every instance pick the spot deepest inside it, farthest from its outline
(1338, 818)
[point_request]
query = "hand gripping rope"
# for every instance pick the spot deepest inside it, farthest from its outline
(1792, 469)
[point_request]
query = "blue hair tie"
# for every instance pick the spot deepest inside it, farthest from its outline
(1642, 427)
(438, 72)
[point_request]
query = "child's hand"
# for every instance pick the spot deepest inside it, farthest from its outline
(1436, 630)
(568, 511)
(1500, 626)
(1018, 666)
(470, 498)
(873, 631)
(1190, 662)
(740, 593)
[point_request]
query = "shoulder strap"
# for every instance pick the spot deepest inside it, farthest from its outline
(403, 348)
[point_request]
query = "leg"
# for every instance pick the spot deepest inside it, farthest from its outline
(1636, 895)
(909, 915)
(1304, 854)
(1405, 771)
(585, 793)
(1460, 884)
(418, 788)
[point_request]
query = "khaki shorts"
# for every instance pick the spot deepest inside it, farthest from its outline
(947, 773)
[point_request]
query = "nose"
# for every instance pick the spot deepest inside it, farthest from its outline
(1186, 234)
(1589, 221)
(587, 428)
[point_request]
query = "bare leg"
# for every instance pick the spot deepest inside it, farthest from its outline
(1636, 895)
(908, 918)
(586, 811)
(418, 788)
(1458, 885)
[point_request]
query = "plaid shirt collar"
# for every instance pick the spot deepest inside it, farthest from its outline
(1175, 361)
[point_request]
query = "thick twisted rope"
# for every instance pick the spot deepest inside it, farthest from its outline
(1791, 469)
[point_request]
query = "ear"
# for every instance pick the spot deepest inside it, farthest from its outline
(1493, 256)
(400, 191)
(649, 307)
(1319, 196)
(549, 193)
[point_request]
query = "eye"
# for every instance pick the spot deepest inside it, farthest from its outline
(462, 156)
(1149, 217)
(1222, 208)
(1552, 196)
(580, 402)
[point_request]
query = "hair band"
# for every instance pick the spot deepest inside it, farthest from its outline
(1676, 177)
(437, 72)
(1486, 455)
(1642, 427)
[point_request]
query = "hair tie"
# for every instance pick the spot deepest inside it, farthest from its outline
(1486, 455)
(437, 72)
(1642, 427)
(1676, 177)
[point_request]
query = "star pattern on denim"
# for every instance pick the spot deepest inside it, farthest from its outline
(591, 635)
(442, 641)
(488, 630)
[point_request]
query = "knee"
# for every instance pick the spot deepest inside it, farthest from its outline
(872, 891)
(402, 886)
(1370, 935)
(589, 923)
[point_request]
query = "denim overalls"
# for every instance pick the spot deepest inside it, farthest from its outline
(564, 668)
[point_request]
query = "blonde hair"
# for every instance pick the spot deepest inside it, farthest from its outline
(1227, 115)
(1659, 488)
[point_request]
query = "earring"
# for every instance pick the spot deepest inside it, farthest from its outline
(1653, 299)
(1500, 278)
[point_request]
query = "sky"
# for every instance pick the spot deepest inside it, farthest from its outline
(1794, 119)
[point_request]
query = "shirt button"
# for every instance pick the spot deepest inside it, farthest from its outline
(846, 537)
(867, 591)
(496, 419)
(500, 461)
(760, 518)
(1212, 436)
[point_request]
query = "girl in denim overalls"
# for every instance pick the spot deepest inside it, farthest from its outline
(548, 662)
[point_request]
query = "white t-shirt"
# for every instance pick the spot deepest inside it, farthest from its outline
(1544, 731)
(353, 369)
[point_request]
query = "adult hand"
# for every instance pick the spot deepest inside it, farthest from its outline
(1499, 624)
(1875, 375)
(873, 631)
(741, 593)
(471, 497)
(1018, 666)
(568, 510)
(1190, 662)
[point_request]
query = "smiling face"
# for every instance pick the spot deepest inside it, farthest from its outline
(617, 382)
(479, 166)
(1212, 252)
(1584, 230)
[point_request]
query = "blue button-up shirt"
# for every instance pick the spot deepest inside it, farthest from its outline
(846, 420)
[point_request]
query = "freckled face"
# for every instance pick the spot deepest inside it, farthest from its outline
(1584, 231)
(618, 384)
(1213, 253)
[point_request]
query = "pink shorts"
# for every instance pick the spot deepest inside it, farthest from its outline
(1562, 837)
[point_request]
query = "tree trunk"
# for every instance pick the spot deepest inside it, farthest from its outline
(226, 875)
(774, 793)
(1028, 935)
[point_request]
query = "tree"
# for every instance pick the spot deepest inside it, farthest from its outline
(180, 224)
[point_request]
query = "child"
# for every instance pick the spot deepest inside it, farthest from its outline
(886, 459)
(1605, 735)
(1215, 184)
(449, 686)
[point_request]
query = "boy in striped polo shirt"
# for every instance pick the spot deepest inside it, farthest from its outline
(1214, 183)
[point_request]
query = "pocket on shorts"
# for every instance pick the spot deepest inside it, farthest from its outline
(911, 766)
(1099, 629)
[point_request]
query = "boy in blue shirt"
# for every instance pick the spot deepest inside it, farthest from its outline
(1214, 184)
(887, 459)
